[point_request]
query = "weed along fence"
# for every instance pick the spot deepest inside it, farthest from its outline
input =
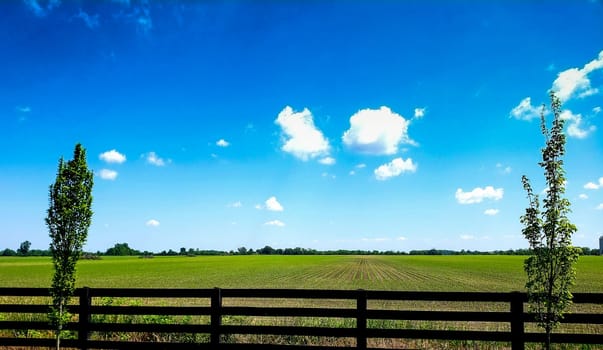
(287, 318)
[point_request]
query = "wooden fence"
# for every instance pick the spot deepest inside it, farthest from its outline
(92, 314)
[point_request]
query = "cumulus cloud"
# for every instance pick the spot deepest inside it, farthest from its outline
(112, 156)
(583, 196)
(275, 223)
(222, 143)
(395, 168)
(377, 131)
(477, 195)
(327, 161)
(272, 204)
(575, 128)
(599, 207)
(420, 112)
(597, 110)
(594, 186)
(107, 174)
(575, 82)
(491, 212)
(154, 159)
(525, 111)
(152, 223)
(302, 138)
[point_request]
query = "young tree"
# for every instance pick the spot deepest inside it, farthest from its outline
(68, 219)
(549, 268)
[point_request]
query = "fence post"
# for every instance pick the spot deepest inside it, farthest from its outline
(84, 317)
(216, 316)
(361, 301)
(517, 325)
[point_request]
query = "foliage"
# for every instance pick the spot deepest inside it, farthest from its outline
(550, 269)
(68, 218)
(121, 249)
(8, 252)
(24, 248)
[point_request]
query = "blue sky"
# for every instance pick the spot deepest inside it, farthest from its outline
(356, 125)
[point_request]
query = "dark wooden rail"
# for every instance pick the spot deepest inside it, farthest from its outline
(16, 317)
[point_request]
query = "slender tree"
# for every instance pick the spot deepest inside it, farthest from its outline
(549, 268)
(68, 219)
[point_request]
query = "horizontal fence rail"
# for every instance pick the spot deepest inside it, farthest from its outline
(207, 323)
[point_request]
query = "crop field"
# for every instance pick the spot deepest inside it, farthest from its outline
(410, 273)
(413, 273)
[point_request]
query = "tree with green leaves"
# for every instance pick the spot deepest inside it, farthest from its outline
(68, 218)
(549, 268)
(24, 248)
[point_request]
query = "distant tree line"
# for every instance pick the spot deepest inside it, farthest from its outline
(123, 249)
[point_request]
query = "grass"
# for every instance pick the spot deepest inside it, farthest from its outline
(428, 273)
(414, 273)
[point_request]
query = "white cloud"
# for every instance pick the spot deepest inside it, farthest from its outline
(302, 138)
(599, 207)
(395, 168)
(112, 156)
(491, 212)
(222, 143)
(420, 112)
(477, 195)
(597, 110)
(236, 204)
(467, 237)
(574, 128)
(583, 196)
(90, 21)
(107, 174)
(152, 223)
(594, 186)
(504, 169)
(401, 238)
(591, 186)
(377, 239)
(23, 109)
(258, 207)
(40, 10)
(525, 111)
(327, 161)
(360, 166)
(275, 223)
(352, 172)
(272, 204)
(154, 159)
(144, 22)
(377, 131)
(575, 82)
(325, 174)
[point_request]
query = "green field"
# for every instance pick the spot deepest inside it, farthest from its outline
(428, 273)
(413, 273)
